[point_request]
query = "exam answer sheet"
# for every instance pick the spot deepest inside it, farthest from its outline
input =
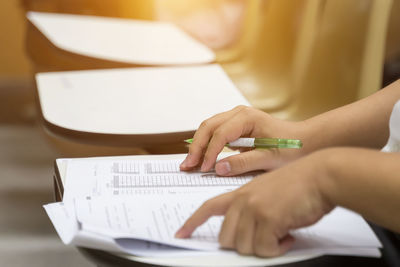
(136, 206)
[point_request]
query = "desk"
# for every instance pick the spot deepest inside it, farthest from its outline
(135, 107)
(107, 259)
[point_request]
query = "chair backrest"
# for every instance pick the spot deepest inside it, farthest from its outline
(374, 50)
(310, 56)
(263, 70)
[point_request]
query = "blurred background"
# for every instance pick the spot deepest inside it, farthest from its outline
(291, 58)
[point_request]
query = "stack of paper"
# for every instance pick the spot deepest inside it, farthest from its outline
(135, 205)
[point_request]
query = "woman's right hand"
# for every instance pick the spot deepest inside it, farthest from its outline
(215, 132)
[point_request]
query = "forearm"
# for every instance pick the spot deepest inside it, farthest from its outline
(364, 123)
(366, 181)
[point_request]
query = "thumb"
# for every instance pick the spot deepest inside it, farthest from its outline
(249, 161)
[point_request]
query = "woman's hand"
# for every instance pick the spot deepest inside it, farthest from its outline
(259, 215)
(214, 133)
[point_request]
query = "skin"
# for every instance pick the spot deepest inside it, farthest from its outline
(339, 165)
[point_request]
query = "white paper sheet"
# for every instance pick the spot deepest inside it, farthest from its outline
(122, 40)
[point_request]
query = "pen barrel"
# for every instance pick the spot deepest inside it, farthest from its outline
(277, 143)
(242, 142)
(262, 143)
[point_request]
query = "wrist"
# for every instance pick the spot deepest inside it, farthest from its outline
(325, 177)
(304, 130)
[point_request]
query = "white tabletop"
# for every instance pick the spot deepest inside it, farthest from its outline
(137, 101)
(122, 40)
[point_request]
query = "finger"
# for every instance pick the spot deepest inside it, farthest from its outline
(202, 137)
(268, 244)
(214, 206)
(242, 149)
(225, 133)
(256, 159)
(245, 233)
(193, 168)
(227, 235)
(286, 243)
(243, 162)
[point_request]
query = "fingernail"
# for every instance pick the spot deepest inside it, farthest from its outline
(223, 168)
(181, 233)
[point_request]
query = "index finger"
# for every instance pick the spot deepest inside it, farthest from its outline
(215, 206)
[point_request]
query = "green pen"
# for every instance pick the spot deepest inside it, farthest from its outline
(262, 143)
